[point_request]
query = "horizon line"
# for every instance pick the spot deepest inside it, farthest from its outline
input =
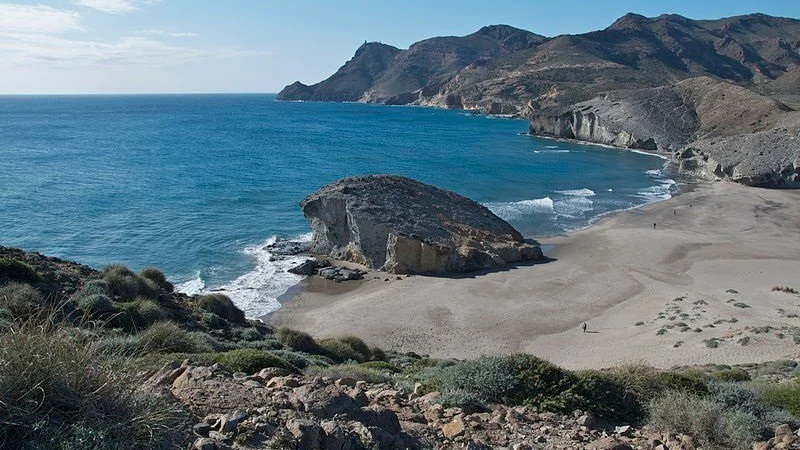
(100, 94)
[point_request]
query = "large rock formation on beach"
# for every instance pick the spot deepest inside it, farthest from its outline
(403, 226)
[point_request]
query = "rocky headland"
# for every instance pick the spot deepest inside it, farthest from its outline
(400, 225)
(720, 92)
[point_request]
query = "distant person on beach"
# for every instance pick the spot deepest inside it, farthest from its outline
(584, 326)
(654, 225)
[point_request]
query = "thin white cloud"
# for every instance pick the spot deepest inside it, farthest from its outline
(53, 51)
(18, 18)
(115, 6)
(179, 34)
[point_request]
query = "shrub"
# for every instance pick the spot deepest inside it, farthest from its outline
(378, 354)
(222, 306)
(488, 378)
(297, 340)
(138, 315)
(537, 380)
(467, 401)
(358, 345)
(13, 270)
(247, 334)
(97, 306)
(166, 337)
(157, 277)
(781, 395)
(264, 344)
(647, 383)
(731, 374)
(381, 366)
(599, 393)
(213, 321)
(354, 371)
(298, 359)
(125, 346)
(742, 398)
(250, 360)
(126, 285)
(72, 396)
(341, 351)
(21, 300)
(710, 422)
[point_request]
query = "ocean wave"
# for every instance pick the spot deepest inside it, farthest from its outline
(584, 192)
(516, 210)
(553, 151)
(573, 207)
(256, 292)
(662, 191)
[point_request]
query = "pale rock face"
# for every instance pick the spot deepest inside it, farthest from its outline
(404, 226)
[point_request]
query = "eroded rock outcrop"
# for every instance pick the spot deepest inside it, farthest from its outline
(403, 226)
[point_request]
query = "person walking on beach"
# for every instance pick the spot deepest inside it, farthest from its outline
(654, 225)
(584, 326)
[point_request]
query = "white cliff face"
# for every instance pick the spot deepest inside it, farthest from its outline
(588, 128)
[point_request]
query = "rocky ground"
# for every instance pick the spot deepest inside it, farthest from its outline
(276, 409)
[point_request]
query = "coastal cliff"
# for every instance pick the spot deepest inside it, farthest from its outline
(715, 130)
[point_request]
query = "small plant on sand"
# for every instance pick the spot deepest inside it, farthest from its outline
(297, 340)
(741, 305)
(712, 343)
(786, 289)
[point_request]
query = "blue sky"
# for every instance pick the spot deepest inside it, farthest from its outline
(145, 46)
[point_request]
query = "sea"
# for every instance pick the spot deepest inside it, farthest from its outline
(207, 187)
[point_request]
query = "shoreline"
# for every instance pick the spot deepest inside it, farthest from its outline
(615, 275)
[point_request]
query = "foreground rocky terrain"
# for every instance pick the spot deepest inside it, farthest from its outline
(123, 362)
(400, 225)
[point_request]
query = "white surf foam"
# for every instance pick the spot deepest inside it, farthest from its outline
(584, 192)
(661, 191)
(573, 207)
(515, 210)
(552, 151)
(256, 292)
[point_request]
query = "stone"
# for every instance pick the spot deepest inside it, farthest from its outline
(167, 374)
(400, 225)
(201, 428)
(228, 422)
(346, 382)
(305, 268)
(269, 373)
(783, 430)
(378, 416)
(454, 429)
(287, 382)
(520, 446)
(307, 433)
(207, 444)
(192, 377)
(609, 443)
(624, 430)
(325, 401)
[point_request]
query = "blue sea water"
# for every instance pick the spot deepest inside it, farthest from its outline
(199, 185)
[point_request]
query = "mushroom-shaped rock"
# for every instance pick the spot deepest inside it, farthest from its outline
(401, 225)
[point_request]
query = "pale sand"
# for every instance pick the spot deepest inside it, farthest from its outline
(616, 273)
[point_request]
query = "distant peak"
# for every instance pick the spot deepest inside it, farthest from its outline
(630, 20)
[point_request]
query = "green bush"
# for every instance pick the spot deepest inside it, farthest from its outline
(264, 344)
(467, 401)
(731, 374)
(381, 366)
(743, 398)
(222, 306)
(781, 395)
(126, 346)
(97, 306)
(13, 270)
(297, 340)
(72, 396)
(298, 359)
(488, 378)
(358, 345)
(599, 393)
(247, 334)
(713, 424)
(537, 380)
(214, 322)
(157, 277)
(354, 371)
(647, 383)
(341, 351)
(126, 285)
(21, 300)
(138, 315)
(166, 337)
(378, 354)
(250, 360)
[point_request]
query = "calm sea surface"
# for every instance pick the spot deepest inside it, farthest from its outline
(199, 185)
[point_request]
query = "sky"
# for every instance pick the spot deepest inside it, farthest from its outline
(187, 46)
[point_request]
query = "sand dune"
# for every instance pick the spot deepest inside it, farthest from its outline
(627, 280)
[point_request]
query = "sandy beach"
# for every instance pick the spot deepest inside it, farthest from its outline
(696, 289)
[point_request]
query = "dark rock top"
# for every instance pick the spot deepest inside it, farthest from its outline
(404, 226)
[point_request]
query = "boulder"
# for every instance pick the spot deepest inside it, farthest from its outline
(400, 225)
